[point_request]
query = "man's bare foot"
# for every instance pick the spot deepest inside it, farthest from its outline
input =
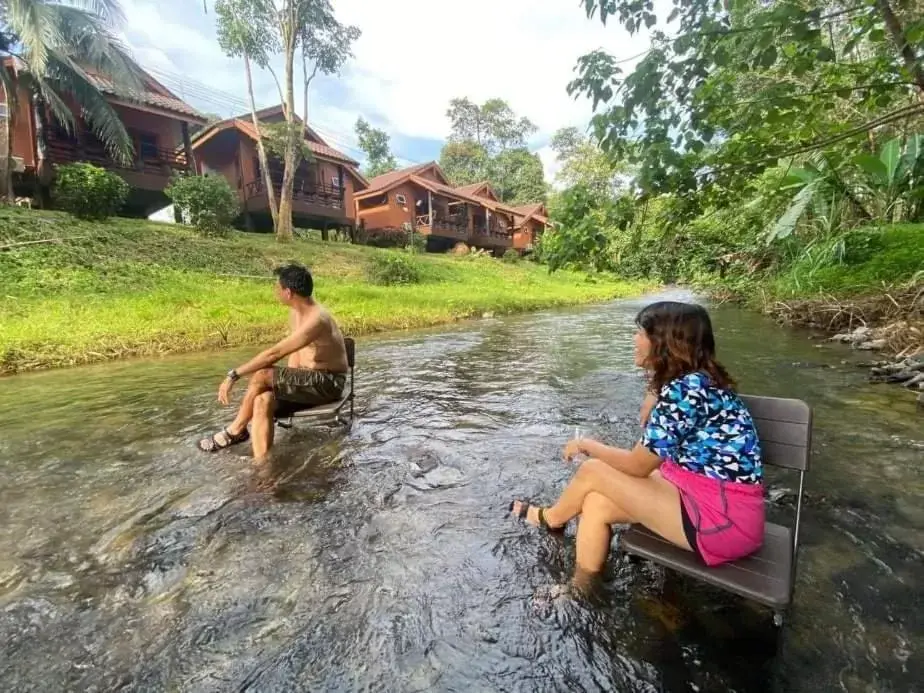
(225, 438)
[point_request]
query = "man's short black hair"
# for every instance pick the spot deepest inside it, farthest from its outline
(296, 278)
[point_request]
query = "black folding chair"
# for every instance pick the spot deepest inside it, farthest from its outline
(768, 576)
(334, 409)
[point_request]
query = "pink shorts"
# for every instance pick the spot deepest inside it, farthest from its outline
(725, 518)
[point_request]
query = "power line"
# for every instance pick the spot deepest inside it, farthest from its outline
(230, 105)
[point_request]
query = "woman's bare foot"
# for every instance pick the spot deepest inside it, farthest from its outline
(532, 512)
(534, 515)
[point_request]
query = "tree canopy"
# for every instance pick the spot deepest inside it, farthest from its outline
(487, 142)
(375, 143)
(744, 84)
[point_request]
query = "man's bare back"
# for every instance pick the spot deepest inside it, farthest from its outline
(326, 352)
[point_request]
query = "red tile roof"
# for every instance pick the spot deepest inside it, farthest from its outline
(246, 127)
(147, 96)
(386, 180)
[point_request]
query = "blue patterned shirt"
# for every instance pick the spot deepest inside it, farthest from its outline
(705, 429)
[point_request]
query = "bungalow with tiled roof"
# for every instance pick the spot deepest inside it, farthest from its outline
(531, 222)
(324, 186)
(421, 197)
(156, 119)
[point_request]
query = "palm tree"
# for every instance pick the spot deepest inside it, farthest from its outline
(60, 49)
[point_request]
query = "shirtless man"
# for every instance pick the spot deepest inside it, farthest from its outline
(316, 372)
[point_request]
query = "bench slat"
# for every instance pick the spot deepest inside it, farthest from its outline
(763, 576)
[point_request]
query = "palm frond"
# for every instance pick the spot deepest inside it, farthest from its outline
(47, 93)
(34, 23)
(97, 49)
(98, 114)
(109, 11)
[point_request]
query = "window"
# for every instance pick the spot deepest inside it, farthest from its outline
(335, 182)
(376, 201)
(147, 146)
(401, 199)
(4, 111)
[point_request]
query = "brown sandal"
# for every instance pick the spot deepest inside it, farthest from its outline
(212, 444)
(524, 509)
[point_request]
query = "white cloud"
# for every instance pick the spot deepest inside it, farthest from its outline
(413, 57)
(550, 163)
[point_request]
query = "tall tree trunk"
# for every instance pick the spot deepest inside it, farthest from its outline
(290, 157)
(306, 80)
(261, 150)
(6, 186)
(897, 34)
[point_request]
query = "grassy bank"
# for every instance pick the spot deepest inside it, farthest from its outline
(873, 277)
(129, 288)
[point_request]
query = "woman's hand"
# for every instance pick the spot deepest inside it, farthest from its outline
(573, 448)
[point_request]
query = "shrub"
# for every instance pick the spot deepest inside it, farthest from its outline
(89, 192)
(389, 269)
(511, 255)
(207, 202)
(417, 243)
(384, 238)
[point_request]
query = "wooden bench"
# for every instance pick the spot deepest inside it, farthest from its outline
(768, 576)
(334, 409)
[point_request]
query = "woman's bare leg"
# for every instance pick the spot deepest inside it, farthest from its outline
(594, 531)
(652, 501)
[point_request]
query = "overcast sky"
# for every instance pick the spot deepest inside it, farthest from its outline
(413, 57)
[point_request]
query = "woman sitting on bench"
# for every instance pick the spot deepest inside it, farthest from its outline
(695, 476)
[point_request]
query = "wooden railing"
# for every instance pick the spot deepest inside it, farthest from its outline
(457, 223)
(494, 231)
(161, 162)
(306, 190)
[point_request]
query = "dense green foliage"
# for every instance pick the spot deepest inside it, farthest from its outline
(207, 202)
(135, 287)
(759, 146)
(488, 143)
(89, 192)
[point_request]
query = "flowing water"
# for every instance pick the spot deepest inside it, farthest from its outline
(381, 558)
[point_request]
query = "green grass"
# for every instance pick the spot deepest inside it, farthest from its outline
(129, 288)
(873, 259)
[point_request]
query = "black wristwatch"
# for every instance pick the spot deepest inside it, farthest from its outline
(233, 376)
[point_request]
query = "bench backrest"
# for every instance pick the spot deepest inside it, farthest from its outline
(785, 430)
(350, 345)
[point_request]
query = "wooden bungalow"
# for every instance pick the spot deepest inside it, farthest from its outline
(531, 222)
(324, 186)
(422, 198)
(156, 119)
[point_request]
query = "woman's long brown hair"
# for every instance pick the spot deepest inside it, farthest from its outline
(681, 343)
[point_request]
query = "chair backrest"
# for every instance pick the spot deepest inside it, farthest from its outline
(351, 351)
(785, 430)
